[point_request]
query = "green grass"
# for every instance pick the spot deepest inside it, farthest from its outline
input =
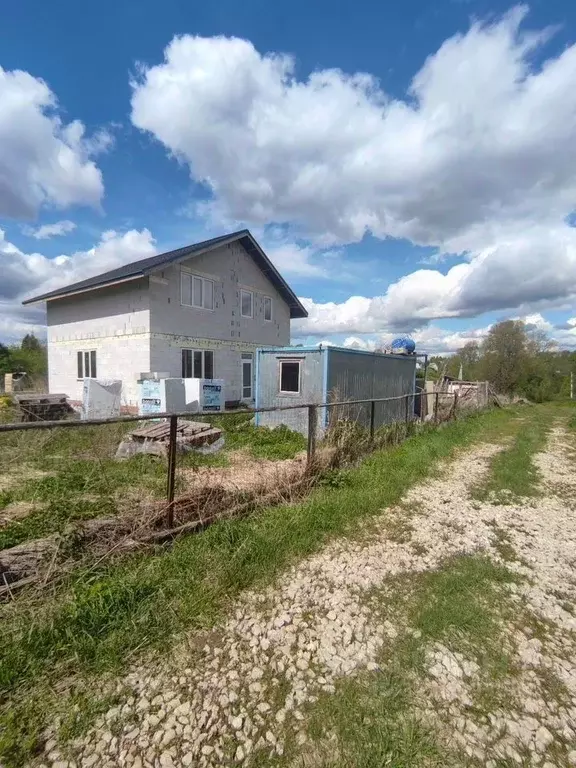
(512, 472)
(261, 442)
(80, 490)
(374, 717)
(82, 480)
(99, 620)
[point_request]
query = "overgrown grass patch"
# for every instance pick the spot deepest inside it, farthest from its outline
(262, 442)
(512, 472)
(100, 619)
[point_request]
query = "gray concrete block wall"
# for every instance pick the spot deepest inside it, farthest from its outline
(166, 355)
(117, 357)
(115, 322)
(231, 269)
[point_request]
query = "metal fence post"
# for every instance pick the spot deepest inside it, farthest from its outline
(171, 469)
(372, 418)
(436, 408)
(455, 405)
(407, 408)
(312, 424)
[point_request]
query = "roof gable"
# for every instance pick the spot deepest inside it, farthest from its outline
(152, 264)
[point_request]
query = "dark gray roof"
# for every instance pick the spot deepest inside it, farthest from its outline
(145, 267)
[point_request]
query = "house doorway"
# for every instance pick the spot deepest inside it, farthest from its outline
(247, 373)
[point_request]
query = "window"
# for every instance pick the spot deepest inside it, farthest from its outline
(290, 376)
(246, 299)
(267, 308)
(246, 376)
(86, 362)
(197, 364)
(196, 291)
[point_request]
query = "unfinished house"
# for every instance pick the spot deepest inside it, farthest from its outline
(198, 312)
(295, 376)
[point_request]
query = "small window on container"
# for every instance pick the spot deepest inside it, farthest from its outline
(290, 377)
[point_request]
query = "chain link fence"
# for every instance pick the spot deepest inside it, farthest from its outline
(74, 490)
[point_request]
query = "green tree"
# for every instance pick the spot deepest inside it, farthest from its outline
(4, 359)
(31, 343)
(505, 356)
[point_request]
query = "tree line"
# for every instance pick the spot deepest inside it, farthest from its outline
(516, 359)
(29, 356)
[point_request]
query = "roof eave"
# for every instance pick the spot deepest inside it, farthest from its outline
(61, 295)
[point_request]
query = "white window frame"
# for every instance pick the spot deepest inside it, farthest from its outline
(292, 360)
(248, 293)
(267, 319)
(86, 359)
(190, 277)
(247, 358)
(202, 353)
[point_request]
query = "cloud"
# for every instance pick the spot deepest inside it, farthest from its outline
(43, 160)
(476, 160)
(27, 274)
(47, 231)
(526, 272)
(479, 137)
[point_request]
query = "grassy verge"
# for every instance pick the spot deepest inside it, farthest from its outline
(67, 475)
(100, 620)
(376, 719)
(512, 473)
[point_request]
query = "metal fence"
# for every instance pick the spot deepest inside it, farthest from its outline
(76, 488)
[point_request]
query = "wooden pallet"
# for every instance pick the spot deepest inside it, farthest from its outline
(42, 407)
(187, 432)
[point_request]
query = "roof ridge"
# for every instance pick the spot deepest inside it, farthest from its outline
(144, 267)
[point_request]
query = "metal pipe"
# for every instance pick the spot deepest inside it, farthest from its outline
(72, 423)
(171, 470)
(312, 423)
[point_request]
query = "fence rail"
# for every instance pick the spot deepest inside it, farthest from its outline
(62, 481)
(312, 409)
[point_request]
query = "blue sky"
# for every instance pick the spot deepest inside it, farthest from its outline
(416, 157)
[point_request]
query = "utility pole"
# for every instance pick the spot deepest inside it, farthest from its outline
(571, 385)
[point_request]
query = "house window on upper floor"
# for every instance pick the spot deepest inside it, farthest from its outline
(267, 308)
(86, 361)
(197, 364)
(246, 301)
(196, 291)
(290, 377)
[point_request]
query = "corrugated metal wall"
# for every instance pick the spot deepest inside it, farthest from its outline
(356, 376)
(311, 389)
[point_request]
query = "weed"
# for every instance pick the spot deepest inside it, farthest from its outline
(263, 443)
(335, 478)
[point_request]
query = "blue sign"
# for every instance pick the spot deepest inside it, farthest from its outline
(212, 397)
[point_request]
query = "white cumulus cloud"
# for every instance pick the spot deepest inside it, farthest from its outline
(43, 160)
(476, 160)
(29, 274)
(47, 231)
